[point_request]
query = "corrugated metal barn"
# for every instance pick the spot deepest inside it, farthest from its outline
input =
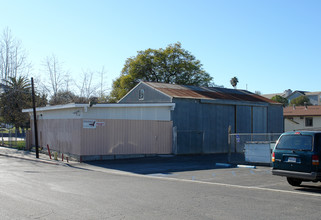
(202, 115)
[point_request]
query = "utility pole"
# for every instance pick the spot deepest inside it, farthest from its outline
(35, 118)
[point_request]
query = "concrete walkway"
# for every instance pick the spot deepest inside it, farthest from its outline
(29, 155)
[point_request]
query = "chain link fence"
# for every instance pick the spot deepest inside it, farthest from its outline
(9, 137)
(251, 148)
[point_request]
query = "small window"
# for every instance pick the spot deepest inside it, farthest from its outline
(308, 122)
(141, 94)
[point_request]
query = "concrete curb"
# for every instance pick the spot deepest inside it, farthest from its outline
(31, 159)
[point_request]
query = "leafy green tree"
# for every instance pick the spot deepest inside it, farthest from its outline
(234, 81)
(170, 65)
(301, 100)
(280, 99)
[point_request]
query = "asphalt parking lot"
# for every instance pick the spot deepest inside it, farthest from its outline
(150, 188)
(209, 170)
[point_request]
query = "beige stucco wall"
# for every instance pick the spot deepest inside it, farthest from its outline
(290, 125)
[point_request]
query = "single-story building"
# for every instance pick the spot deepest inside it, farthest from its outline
(157, 118)
(203, 115)
(105, 131)
(302, 117)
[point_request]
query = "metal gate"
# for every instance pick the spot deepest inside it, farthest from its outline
(249, 148)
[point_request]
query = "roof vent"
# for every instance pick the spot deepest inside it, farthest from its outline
(293, 106)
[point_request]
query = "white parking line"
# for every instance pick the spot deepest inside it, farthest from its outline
(116, 172)
(242, 187)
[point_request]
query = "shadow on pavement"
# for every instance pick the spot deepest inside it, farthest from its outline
(165, 165)
(309, 188)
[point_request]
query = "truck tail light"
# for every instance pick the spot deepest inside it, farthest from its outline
(315, 160)
(273, 157)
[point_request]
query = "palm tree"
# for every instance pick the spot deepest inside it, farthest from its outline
(234, 81)
(16, 97)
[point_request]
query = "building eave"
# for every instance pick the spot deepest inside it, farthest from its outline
(112, 105)
(56, 107)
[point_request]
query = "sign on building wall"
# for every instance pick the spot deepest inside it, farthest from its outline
(89, 123)
(92, 124)
(100, 124)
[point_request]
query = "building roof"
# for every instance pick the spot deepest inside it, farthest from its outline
(311, 110)
(270, 96)
(284, 94)
(209, 93)
(110, 105)
(297, 91)
(312, 93)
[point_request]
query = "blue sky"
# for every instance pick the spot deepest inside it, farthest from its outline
(270, 45)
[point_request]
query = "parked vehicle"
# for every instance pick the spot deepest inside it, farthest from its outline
(297, 156)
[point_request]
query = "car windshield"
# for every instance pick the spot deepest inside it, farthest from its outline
(295, 142)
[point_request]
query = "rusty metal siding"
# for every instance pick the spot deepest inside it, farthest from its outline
(211, 93)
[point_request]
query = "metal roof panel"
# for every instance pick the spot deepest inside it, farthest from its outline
(211, 93)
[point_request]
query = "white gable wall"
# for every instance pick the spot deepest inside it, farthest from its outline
(290, 125)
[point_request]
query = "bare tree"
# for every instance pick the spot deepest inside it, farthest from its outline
(87, 89)
(67, 81)
(92, 86)
(103, 89)
(102, 73)
(57, 79)
(13, 58)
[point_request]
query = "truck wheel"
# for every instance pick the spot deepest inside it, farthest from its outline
(293, 181)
